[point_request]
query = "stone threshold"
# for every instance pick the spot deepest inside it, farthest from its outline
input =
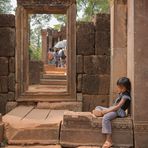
(29, 125)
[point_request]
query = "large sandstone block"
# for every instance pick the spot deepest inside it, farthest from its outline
(12, 65)
(102, 34)
(33, 134)
(96, 84)
(91, 101)
(28, 125)
(90, 84)
(11, 82)
(3, 66)
(3, 101)
(7, 42)
(96, 64)
(102, 22)
(85, 38)
(82, 129)
(3, 84)
(7, 20)
(11, 96)
(79, 97)
(79, 82)
(34, 72)
(80, 63)
(102, 43)
(104, 84)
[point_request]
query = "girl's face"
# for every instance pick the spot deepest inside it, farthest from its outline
(120, 89)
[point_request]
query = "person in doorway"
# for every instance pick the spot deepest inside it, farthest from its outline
(62, 58)
(51, 56)
(57, 57)
(121, 104)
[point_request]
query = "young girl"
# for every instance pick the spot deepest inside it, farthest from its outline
(118, 109)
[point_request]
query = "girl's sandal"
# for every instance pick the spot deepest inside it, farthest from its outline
(107, 144)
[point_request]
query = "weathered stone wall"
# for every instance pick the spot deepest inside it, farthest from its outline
(35, 69)
(93, 62)
(7, 60)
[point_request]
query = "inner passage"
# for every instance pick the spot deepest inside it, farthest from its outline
(47, 53)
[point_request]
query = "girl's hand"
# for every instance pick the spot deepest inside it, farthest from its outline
(97, 113)
(104, 112)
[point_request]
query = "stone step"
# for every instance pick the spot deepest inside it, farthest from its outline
(83, 129)
(52, 82)
(52, 146)
(34, 146)
(54, 69)
(71, 106)
(29, 125)
(47, 88)
(54, 76)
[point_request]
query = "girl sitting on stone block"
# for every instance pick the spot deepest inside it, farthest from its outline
(121, 104)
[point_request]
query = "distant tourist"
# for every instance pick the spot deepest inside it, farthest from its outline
(51, 56)
(121, 104)
(62, 58)
(57, 57)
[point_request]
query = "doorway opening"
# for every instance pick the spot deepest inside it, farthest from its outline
(45, 55)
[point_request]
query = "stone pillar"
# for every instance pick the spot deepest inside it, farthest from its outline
(118, 43)
(49, 39)
(44, 45)
(138, 68)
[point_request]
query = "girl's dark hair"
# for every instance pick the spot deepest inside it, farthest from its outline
(125, 82)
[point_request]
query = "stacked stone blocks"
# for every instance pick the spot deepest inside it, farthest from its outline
(7, 60)
(93, 61)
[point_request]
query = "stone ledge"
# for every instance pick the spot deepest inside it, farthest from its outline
(33, 133)
(72, 106)
(81, 128)
(34, 146)
(28, 125)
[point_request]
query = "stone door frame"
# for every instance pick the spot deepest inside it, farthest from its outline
(24, 8)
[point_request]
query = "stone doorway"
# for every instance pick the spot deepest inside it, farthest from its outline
(47, 54)
(24, 91)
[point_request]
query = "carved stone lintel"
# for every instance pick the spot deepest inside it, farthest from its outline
(46, 2)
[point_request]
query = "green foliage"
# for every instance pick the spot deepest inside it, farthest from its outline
(91, 7)
(40, 20)
(37, 22)
(35, 53)
(5, 6)
(61, 18)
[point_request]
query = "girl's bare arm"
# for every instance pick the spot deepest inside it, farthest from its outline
(114, 108)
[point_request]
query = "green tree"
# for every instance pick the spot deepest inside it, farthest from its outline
(5, 6)
(91, 7)
(36, 23)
